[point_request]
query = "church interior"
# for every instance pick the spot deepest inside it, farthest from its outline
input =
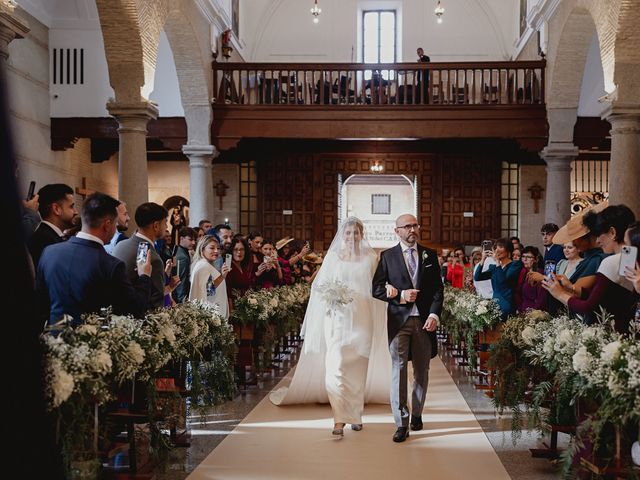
(483, 119)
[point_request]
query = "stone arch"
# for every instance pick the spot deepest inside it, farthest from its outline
(627, 52)
(568, 56)
(188, 33)
(131, 33)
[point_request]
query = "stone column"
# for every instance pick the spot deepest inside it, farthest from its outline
(11, 27)
(133, 176)
(200, 181)
(558, 158)
(624, 168)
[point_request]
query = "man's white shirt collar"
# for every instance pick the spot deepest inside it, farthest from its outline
(138, 234)
(55, 228)
(88, 236)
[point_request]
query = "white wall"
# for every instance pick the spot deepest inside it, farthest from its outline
(592, 83)
(472, 30)
(89, 99)
(379, 228)
(166, 91)
(30, 122)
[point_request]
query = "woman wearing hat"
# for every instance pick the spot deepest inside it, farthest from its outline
(578, 231)
(611, 292)
(287, 259)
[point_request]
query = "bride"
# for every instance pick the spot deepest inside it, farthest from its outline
(345, 358)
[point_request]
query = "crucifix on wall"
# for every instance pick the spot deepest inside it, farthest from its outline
(221, 190)
(83, 191)
(536, 195)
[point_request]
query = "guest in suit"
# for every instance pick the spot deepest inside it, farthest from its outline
(58, 210)
(408, 278)
(152, 224)
(121, 227)
(552, 252)
(423, 85)
(78, 276)
(186, 244)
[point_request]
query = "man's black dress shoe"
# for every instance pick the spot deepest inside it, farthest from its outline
(401, 434)
(416, 423)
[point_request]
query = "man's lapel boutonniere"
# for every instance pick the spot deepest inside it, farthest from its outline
(425, 257)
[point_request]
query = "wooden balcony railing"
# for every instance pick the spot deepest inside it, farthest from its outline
(361, 84)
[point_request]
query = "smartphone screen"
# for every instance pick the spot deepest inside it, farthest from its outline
(628, 256)
(487, 245)
(549, 269)
(143, 248)
(32, 190)
(227, 260)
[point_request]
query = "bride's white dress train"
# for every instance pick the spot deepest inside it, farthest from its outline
(345, 359)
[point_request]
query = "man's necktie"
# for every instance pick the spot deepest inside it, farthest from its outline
(411, 261)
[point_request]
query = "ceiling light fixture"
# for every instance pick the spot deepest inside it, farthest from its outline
(316, 11)
(439, 12)
(377, 167)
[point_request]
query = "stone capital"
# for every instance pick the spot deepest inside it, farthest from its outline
(11, 27)
(200, 150)
(559, 156)
(133, 117)
(623, 117)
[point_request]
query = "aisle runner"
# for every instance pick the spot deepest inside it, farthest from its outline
(295, 442)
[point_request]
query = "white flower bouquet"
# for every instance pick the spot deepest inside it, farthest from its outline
(336, 295)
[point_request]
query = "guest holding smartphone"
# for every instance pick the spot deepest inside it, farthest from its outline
(632, 237)
(611, 291)
(268, 274)
(207, 283)
(503, 276)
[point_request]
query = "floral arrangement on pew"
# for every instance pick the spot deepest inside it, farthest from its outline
(86, 364)
(277, 311)
(281, 307)
(465, 314)
(562, 365)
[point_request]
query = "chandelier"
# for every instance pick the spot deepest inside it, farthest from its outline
(439, 11)
(316, 11)
(377, 167)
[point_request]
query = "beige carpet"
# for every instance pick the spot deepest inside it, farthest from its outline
(295, 442)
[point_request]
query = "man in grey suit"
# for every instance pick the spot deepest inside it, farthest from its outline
(408, 278)
(152, 223)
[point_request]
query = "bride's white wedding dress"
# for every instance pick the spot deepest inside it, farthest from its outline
(345, 359)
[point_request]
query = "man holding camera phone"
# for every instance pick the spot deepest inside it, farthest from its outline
(78, 276)
(152, 224)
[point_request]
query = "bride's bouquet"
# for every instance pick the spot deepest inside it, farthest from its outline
(336, 295)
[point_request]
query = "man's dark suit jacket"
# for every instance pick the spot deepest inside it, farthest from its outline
(555, 253)
(78, 276)
(183, 260)
(392, 269)
(41, 238)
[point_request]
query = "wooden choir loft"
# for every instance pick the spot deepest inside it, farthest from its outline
(295, 128)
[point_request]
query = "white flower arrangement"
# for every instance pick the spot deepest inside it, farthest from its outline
(336, 295)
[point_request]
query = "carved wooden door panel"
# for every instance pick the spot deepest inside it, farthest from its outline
(470, 200)
(285, 205)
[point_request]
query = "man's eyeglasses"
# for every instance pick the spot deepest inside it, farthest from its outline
(413, 226)
(530, 257)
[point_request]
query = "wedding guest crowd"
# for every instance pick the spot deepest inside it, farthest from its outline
(577, 271)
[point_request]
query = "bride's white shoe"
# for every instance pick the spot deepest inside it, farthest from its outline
(338, 431)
